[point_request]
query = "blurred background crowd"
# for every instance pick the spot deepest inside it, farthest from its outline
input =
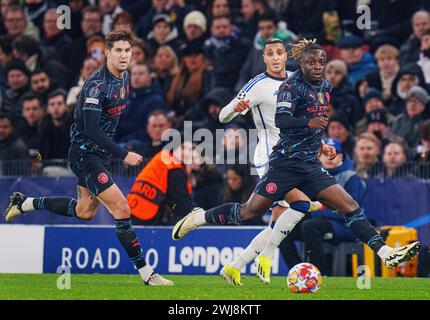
(193, 57)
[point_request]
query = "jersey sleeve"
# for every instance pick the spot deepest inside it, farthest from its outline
(227, 113)
(93, 96)
(287, 100)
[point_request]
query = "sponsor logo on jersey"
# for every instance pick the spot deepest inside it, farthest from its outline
(321, 97)
(116, 111)
(317, 111)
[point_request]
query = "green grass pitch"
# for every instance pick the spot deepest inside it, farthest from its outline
(118, 287)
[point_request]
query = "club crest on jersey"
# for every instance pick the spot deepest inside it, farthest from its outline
(93, 92)
(321, 97)
(122, 93)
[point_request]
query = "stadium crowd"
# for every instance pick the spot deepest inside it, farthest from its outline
(194, 56)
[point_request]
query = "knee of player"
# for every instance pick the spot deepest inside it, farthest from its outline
(85, 215)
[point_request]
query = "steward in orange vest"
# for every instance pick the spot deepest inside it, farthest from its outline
(160, 188)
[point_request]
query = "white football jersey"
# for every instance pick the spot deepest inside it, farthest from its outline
(261, 91)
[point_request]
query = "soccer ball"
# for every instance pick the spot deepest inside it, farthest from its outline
(304, 278)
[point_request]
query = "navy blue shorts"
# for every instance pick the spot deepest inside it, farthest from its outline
(308, 177)
(91, 169)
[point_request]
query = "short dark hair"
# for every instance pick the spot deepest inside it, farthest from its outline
(39, 70)
(223, 16)
(57, 92)
(15, 8)
(30, 96)
(6, 116)
(158, 112)
(272, 41)
(91, 9)
(269, 16)
(119, 35)
(24, 44)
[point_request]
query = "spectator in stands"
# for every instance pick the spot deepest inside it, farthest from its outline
(55, 127)
(12, 147)
(19, 83)
(76, 8)
(366, 152)
(145, 97)
(195, 27)
(407, 123)
(254, 64)
(409, 75)
(387, 58)
(205, 113)
(90, 65)
(250, 16)
(219, 8)
(394, 161)
(207, 183)
(54, 40)
(28, 127)
(377, 123)
(41, 85)
(28, 51)
(226, 51)
(109, 10)
(342, 96)
(96, 48)
(304, 17)
(124, 21)
(174, 8)
(5, 5)
(165, 177)
(17, 24)
(409, 51)
(424, 60)
(360, 63)
(422, 152)
(191, 83)
(372, 100)
(139, 53)
(6, 56)
(158, 122)
(164, 32)
(35, 10)
(166, 66)
(324, 224)
(338, 128)
(91, 24)
(239, 187)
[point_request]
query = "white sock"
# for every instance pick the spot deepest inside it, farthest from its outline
(384, 251)
(283, 226)
(253, 249)
(27, 205)
(200, 219)
(146, 272)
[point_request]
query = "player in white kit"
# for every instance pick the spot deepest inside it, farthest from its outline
(259, 95)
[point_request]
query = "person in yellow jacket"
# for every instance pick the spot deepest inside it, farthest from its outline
(161, 193)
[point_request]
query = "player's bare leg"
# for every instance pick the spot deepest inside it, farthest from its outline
(85, 207)
(355, 220)
(117, 204)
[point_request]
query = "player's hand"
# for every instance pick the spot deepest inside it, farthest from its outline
(133, 159)
(318, 123)
(241, 106)
(329, 151)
